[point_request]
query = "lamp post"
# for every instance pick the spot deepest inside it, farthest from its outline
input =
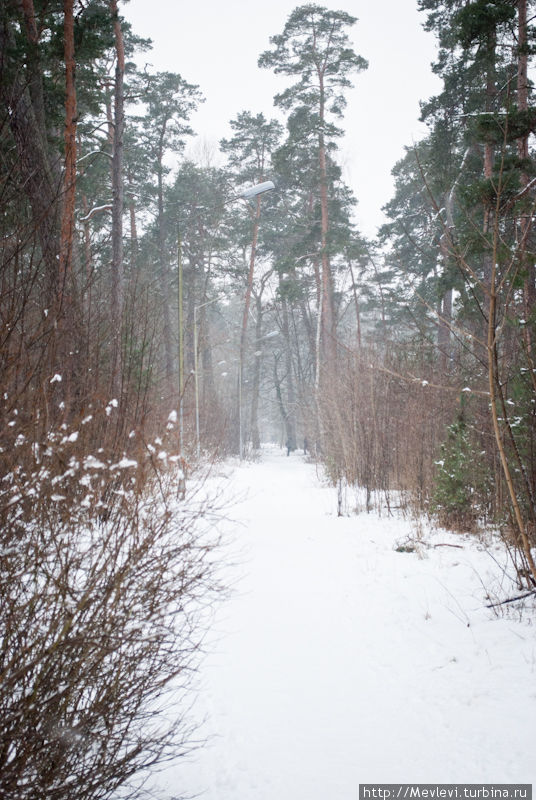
(181, 341)
(246, 194)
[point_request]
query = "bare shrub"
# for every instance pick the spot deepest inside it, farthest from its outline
(105, 575)
(381, 431)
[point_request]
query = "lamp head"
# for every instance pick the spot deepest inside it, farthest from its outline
(259, 188)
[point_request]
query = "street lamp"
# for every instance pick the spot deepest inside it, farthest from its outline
(246, 194)
(253, 191)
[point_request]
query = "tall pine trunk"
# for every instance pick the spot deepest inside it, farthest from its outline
(445, 310)
(69, 173)
(290, 418)
(249, 286)
(164, 271)
(255, 433)
(65, 337)
(327, 335)
(247, 303)
(117, 294)
(529, 288)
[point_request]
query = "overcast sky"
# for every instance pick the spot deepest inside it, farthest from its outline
(216, 44)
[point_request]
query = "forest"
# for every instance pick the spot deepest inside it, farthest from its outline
(159, 313)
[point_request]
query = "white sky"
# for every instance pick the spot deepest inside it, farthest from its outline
(216, 43)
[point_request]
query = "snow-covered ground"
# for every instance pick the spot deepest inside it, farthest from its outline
(338, 660)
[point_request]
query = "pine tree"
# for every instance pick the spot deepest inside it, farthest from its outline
(314, 48)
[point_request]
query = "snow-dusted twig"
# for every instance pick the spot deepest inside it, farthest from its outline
(426, 384)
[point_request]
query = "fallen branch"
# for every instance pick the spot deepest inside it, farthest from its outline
(446, 544)
(512, 599)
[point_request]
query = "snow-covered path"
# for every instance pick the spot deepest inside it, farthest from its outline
(339, 660)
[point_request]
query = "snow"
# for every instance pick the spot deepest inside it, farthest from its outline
(125, 463)
(112, 404)
(338, 660)
(90, 462)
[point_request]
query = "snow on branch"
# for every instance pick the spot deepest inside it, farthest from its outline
(96, 210)
(94, 153)
(530, 185)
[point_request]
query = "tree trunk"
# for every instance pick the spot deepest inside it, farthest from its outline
(290, 420)
(247, 299)
(356, 305)
(492, 384)
(327, 339)
(280, 401)
(327, 320)
(245, 316)
(522, 78)
(445, 312)
(117, 293)
(65, 336)
(489, 150)
(69, 173)
(133, 236)
(87, 297)
(255, 434)
(208, 395)
(164, 271)
(529, 288)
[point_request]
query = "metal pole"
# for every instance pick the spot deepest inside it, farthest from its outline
(240, 431)
(181, 345)
(197, 434)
